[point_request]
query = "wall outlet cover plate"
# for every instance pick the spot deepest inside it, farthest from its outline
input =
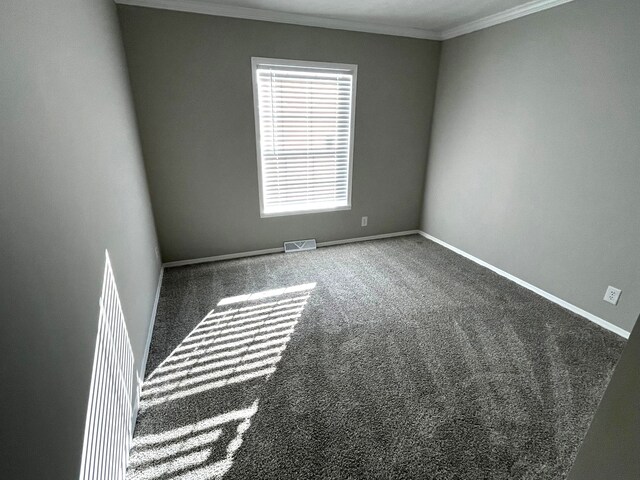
(612, 295)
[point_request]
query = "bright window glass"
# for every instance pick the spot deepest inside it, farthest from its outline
(304, 127)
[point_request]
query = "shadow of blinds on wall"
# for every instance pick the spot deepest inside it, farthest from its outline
(108, 425)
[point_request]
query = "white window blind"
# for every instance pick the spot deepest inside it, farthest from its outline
(304, 128)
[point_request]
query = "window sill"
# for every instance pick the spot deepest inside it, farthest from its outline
(304, 212)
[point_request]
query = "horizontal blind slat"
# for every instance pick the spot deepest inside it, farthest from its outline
(286, 174)
(291, 184)
(284, 200)
(306, 153)
(306, 172)
(302, 79)
(305, 202)
(296, 191)
(320, 160)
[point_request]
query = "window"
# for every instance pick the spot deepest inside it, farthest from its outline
(304, 129)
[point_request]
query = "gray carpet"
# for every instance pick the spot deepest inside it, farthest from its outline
(404, 360)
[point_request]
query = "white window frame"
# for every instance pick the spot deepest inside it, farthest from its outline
(353, 70)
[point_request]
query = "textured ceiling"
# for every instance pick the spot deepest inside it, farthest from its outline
(433, 15)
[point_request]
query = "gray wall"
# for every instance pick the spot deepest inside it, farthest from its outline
(611, 448)
(71, 185)
(191, 78)
(534, 163)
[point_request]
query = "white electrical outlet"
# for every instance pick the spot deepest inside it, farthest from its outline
(612, 295)
(157, 250)
(365, 221)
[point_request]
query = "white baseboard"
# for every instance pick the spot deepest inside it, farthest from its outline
(577, 310)
(370, 237)
(143, 366)
(266, 251)
(154, 310)
(218, 258)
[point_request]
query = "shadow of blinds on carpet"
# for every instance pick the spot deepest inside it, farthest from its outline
(239, 342)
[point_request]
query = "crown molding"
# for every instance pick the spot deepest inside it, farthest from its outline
(209, 8)
(501, 17)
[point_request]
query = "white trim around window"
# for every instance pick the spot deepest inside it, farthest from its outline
(304, 120)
